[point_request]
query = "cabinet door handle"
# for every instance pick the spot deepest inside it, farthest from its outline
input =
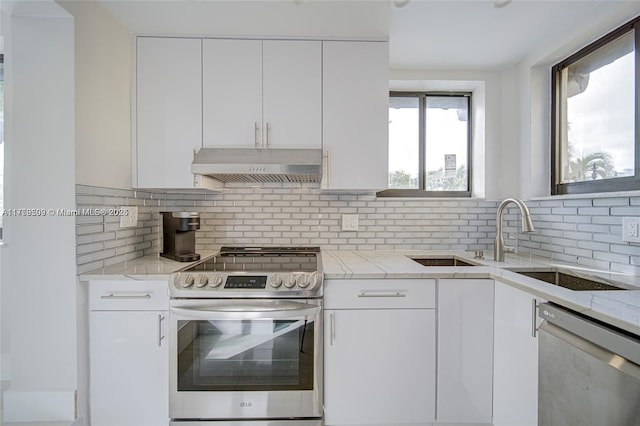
(534, 311)
(268, 134)
(382, 294)
(332, 329)
(327, 168)
(160, 336)
(126, 296)
(256, 131)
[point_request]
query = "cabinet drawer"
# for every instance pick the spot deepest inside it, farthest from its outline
(128, 295)
(380, 294)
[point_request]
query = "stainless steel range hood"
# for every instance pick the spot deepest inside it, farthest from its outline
(259, 165)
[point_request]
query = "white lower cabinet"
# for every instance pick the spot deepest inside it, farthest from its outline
(379, 352)
(515, 401)
(465, 351)
(129, 358)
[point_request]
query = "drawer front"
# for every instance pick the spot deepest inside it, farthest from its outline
(380, 294)
(128, 295)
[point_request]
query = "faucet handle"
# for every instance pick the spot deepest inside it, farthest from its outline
(477, 254)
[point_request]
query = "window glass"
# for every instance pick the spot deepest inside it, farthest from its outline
(429, 143)
(594, 117)
(600, 110)
(446, 143)
(404, 142)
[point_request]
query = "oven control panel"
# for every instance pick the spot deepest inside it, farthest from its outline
(217, 284)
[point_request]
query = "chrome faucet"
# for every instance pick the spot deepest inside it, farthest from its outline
(499, 249)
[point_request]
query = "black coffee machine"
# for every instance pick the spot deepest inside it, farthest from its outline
(179, 235)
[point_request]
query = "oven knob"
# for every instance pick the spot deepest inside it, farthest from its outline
(275, 281)
(186, 281)
(201, 281)
(289, 281)
(313, 279)
(303, 281)
(215, 280)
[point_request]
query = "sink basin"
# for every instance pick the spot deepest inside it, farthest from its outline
(567, 280)
(442, 261)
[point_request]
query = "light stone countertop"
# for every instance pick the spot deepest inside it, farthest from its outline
(148, 268)
(620, 308)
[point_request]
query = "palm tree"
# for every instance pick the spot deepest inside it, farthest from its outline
(598, 165)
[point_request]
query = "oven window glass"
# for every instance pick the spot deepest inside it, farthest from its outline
(245, 355)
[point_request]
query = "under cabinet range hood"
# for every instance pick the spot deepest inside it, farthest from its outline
(259, 165)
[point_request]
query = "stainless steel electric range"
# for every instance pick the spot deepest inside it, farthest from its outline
(246, 339)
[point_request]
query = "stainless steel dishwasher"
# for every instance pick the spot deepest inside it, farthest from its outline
(589, 373)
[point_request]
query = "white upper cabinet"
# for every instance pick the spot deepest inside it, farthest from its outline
(262, 94)
(168, 111)
(355, 115)
(232, 93)
(192, 93)
(292, 94)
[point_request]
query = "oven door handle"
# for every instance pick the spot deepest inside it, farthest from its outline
(245, 312)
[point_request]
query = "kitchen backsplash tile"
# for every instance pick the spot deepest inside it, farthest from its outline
(591, 237)
(577, 230)
(100, 240)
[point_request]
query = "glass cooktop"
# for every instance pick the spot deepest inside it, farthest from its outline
(260, 259)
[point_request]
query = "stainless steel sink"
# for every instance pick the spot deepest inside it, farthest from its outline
(442, 261)
(566, 279)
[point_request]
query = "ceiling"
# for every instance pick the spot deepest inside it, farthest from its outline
(425, 34)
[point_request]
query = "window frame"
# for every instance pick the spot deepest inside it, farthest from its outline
(421, 192)
(627, 183)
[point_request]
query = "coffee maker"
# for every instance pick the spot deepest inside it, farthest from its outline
(179, 235)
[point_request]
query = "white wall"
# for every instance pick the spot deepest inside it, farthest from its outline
(38, 262)
(103, 102)
(5, 335)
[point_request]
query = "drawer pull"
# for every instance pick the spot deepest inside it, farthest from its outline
(126, 296)
(382, 294)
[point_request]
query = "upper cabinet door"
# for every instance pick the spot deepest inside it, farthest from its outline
(292, 94)
(232, 93)
(168, 111)
(355, 115)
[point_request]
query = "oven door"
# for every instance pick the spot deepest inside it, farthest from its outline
(245, 359)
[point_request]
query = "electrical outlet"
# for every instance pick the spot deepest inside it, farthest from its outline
(631, 229)
(130, 219)
(349, 222)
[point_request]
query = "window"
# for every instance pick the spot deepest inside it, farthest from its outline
(429, 145)
(595, 135)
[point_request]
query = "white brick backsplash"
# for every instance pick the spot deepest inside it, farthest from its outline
(618, 201)
(578, 230)
(577, 203)
(596, 229)
(625, 211)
